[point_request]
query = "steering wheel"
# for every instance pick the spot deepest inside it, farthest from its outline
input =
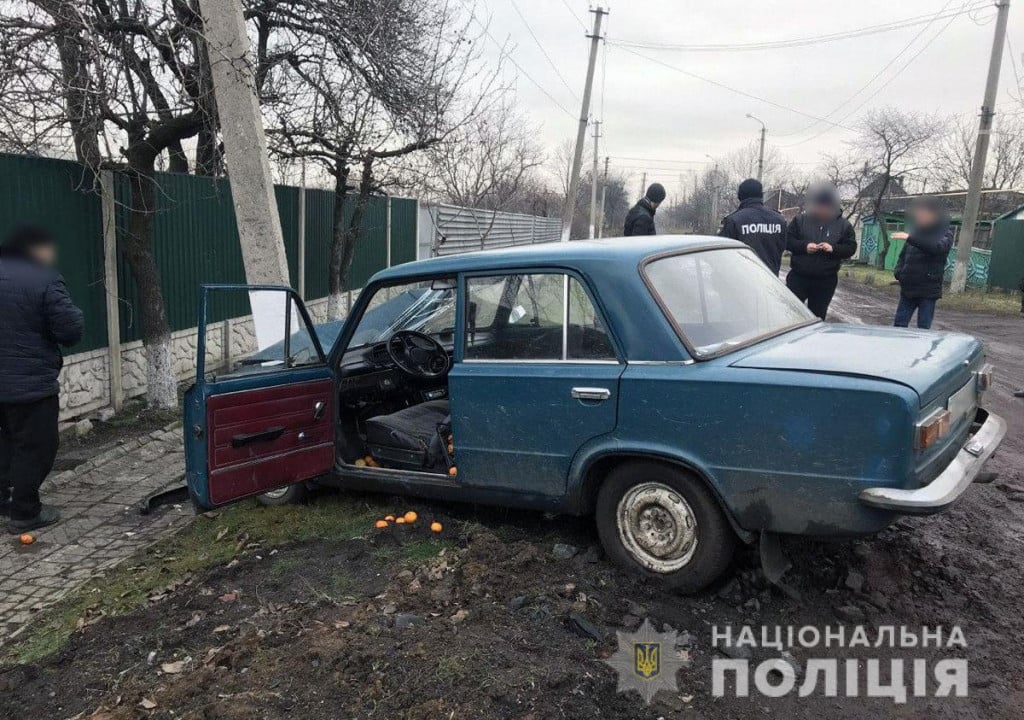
(418, 355)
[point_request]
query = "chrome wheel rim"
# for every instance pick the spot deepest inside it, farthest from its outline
(277, 494)
(657, 527)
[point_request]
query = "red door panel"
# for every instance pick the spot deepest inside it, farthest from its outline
(266, 438)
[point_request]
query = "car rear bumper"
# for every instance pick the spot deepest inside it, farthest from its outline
(951, 483)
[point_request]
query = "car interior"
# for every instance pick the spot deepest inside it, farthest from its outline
(394, 404)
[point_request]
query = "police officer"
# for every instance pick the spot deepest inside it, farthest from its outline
(763, 229)
(640, 219)
(819, 239)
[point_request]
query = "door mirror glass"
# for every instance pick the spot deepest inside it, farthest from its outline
(250, 331)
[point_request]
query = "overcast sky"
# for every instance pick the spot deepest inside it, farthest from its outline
(654, 112)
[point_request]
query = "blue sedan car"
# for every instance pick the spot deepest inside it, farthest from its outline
(670, 386)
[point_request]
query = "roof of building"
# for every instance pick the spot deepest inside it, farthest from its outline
(630, 251)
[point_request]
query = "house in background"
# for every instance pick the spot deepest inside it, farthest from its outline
(995, 204)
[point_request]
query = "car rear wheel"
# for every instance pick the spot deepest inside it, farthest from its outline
(662, 522)
(287, 495)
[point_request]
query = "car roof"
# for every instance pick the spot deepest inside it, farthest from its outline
(628, 250)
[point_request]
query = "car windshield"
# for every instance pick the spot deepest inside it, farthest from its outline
(427, 307)
(722, 299)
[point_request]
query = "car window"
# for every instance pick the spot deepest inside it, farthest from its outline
(526, 317)
(427, 307)
(722, 299)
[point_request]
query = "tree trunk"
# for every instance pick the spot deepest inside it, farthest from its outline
(355, 224)
(161, 385)
(335, 281)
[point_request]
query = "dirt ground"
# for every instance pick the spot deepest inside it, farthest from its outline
(485, 621)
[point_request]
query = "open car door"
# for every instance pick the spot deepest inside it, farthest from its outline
(261, 412)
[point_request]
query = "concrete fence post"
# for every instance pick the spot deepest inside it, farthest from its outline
(113, 307)
(387, 231)
(300, 254)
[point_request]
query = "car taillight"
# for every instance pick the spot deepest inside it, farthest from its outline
(985, 377)
(933, 428)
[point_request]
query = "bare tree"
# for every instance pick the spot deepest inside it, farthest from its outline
(892, 143)
(950, 154)
(742, 163)
(358, 86)
(851, 175)
(488, 163)
(129, 78)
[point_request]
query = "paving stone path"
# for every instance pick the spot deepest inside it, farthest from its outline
(101, 524)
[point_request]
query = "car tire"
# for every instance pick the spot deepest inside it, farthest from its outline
(287, 495)
(641, 508)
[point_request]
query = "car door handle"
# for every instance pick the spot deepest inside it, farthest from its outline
(268, 435)
(591, 393)
(318, 409)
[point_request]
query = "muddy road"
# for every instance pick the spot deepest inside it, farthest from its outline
(509, 615)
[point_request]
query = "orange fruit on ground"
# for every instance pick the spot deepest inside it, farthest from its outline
(400, 521)
(381, 524)
(390, 518)
(453, 471)
(411, 517)
(436, 527)
(27, 539)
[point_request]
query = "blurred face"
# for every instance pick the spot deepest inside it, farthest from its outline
(924, 217)
(823, 211)
(45, 254)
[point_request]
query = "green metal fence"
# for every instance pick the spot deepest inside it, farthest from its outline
(195, 237)
(1007, 272)
(59, 195)
(977, 271)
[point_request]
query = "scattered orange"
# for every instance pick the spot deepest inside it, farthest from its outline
(390, 518)
(27, 539)
(411, 517)
(381, 524)
(400, 521)
(436, 527)
(453, 471)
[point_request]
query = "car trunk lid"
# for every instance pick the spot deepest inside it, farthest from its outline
(931, 363)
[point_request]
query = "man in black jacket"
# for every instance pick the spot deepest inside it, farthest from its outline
(922, 262)
(755, 225)
(36, 318)
(819, 239)
(640, 219)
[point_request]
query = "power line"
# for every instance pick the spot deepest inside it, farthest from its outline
(874, 77)
(881, 87)
(803, 41)
(578, 18)
(505, 52)
(731, 89)
(547, 57)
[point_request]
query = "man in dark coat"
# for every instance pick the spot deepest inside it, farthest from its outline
(763, 229)
(922, 262)
(36, 318)
(819, 239)
(640, 219)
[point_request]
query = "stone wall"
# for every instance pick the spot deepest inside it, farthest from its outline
(85, 379)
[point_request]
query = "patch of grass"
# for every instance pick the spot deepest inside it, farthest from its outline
(994, 302)
(211, 540)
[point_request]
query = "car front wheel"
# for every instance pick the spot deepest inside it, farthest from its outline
(287, 495)
(664, 523)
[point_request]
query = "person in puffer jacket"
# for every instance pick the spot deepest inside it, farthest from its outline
(37, 317)
(922, 262)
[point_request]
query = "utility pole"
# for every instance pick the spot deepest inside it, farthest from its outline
(760, 156)
(988, 111)
(643, 184)
(245, 145)
(604, 196)
(581, 133)
(593, 183)
(714, 193)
